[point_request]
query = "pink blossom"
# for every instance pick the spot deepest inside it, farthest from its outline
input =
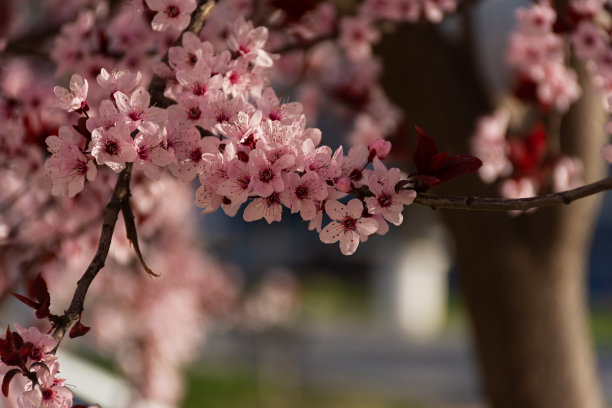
(191, 53)
(249, 42)
(537, 19)
(113, 147)
(271, 108)
(320, 160)
(220, 109)
(151, 155)
(67, 168)
(352, 165)
(357, 36)
(244, 127)
(347, 225)
(379, 148)
(120, 80)
(239, 79)
(588, 41)
(74, 98)
(303, 193)
(386, 200)
(267, 175)
(264, 207)
(519, 188)
(189, 112)
(207, 199)
(489, 145)
(188, 149)
(239, 182)
(43, 343)
(174, 14)
(559, 87)
(198, 80)
(49, 393)
(106, 119)
(567, 174)
(135, 110)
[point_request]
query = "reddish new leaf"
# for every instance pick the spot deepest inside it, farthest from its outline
(78, 330)
(435, 167)
(38, 290)
(7, 380)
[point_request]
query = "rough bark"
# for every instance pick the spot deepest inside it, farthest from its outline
(523, 277)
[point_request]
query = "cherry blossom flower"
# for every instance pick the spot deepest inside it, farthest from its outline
(238, 184)
(379, 148)
(347, 225)
(120, 80)
(135, 110)
(43, 344)
(303, 193)
(113, 147)
(489, 145)
(268, 207)
(106, 119)
(267, 175)
(73, 99)
(198, 80)
(588, 42)
(357, 36)
(567, 174)
(174, 14)
(49, 393)
(386, 200)
(249, 42)
(191, 53)
(151, 155)
(67, 168)
(271, 108)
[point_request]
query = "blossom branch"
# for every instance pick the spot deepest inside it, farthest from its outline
(501, 204)
(118, 202)
(119, 197)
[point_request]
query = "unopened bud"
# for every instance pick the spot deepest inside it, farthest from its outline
(380, 147)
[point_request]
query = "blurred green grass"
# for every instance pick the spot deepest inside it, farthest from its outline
(239, 388)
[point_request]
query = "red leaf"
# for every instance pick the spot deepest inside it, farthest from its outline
(7, 380)
(435, 167)
(425, 150)
(41, 291)
(12, 358)
(78, 330)
(26, 300)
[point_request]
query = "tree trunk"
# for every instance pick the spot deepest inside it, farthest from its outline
(523, 277)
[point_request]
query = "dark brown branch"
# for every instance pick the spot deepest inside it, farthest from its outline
(501, 204)
(120, 195)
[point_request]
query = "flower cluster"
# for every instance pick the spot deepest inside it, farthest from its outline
(537, 52)
(523, 162)
(235, 134)
(29, 352)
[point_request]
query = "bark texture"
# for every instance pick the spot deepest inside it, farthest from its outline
(523, 277)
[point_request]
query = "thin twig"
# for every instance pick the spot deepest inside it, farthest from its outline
(501, 204)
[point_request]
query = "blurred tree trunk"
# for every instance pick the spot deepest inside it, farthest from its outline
(523, 277)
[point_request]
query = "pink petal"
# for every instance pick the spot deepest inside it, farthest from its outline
(335, 210)
(349, 242)
(354, 208)
(331, 233)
